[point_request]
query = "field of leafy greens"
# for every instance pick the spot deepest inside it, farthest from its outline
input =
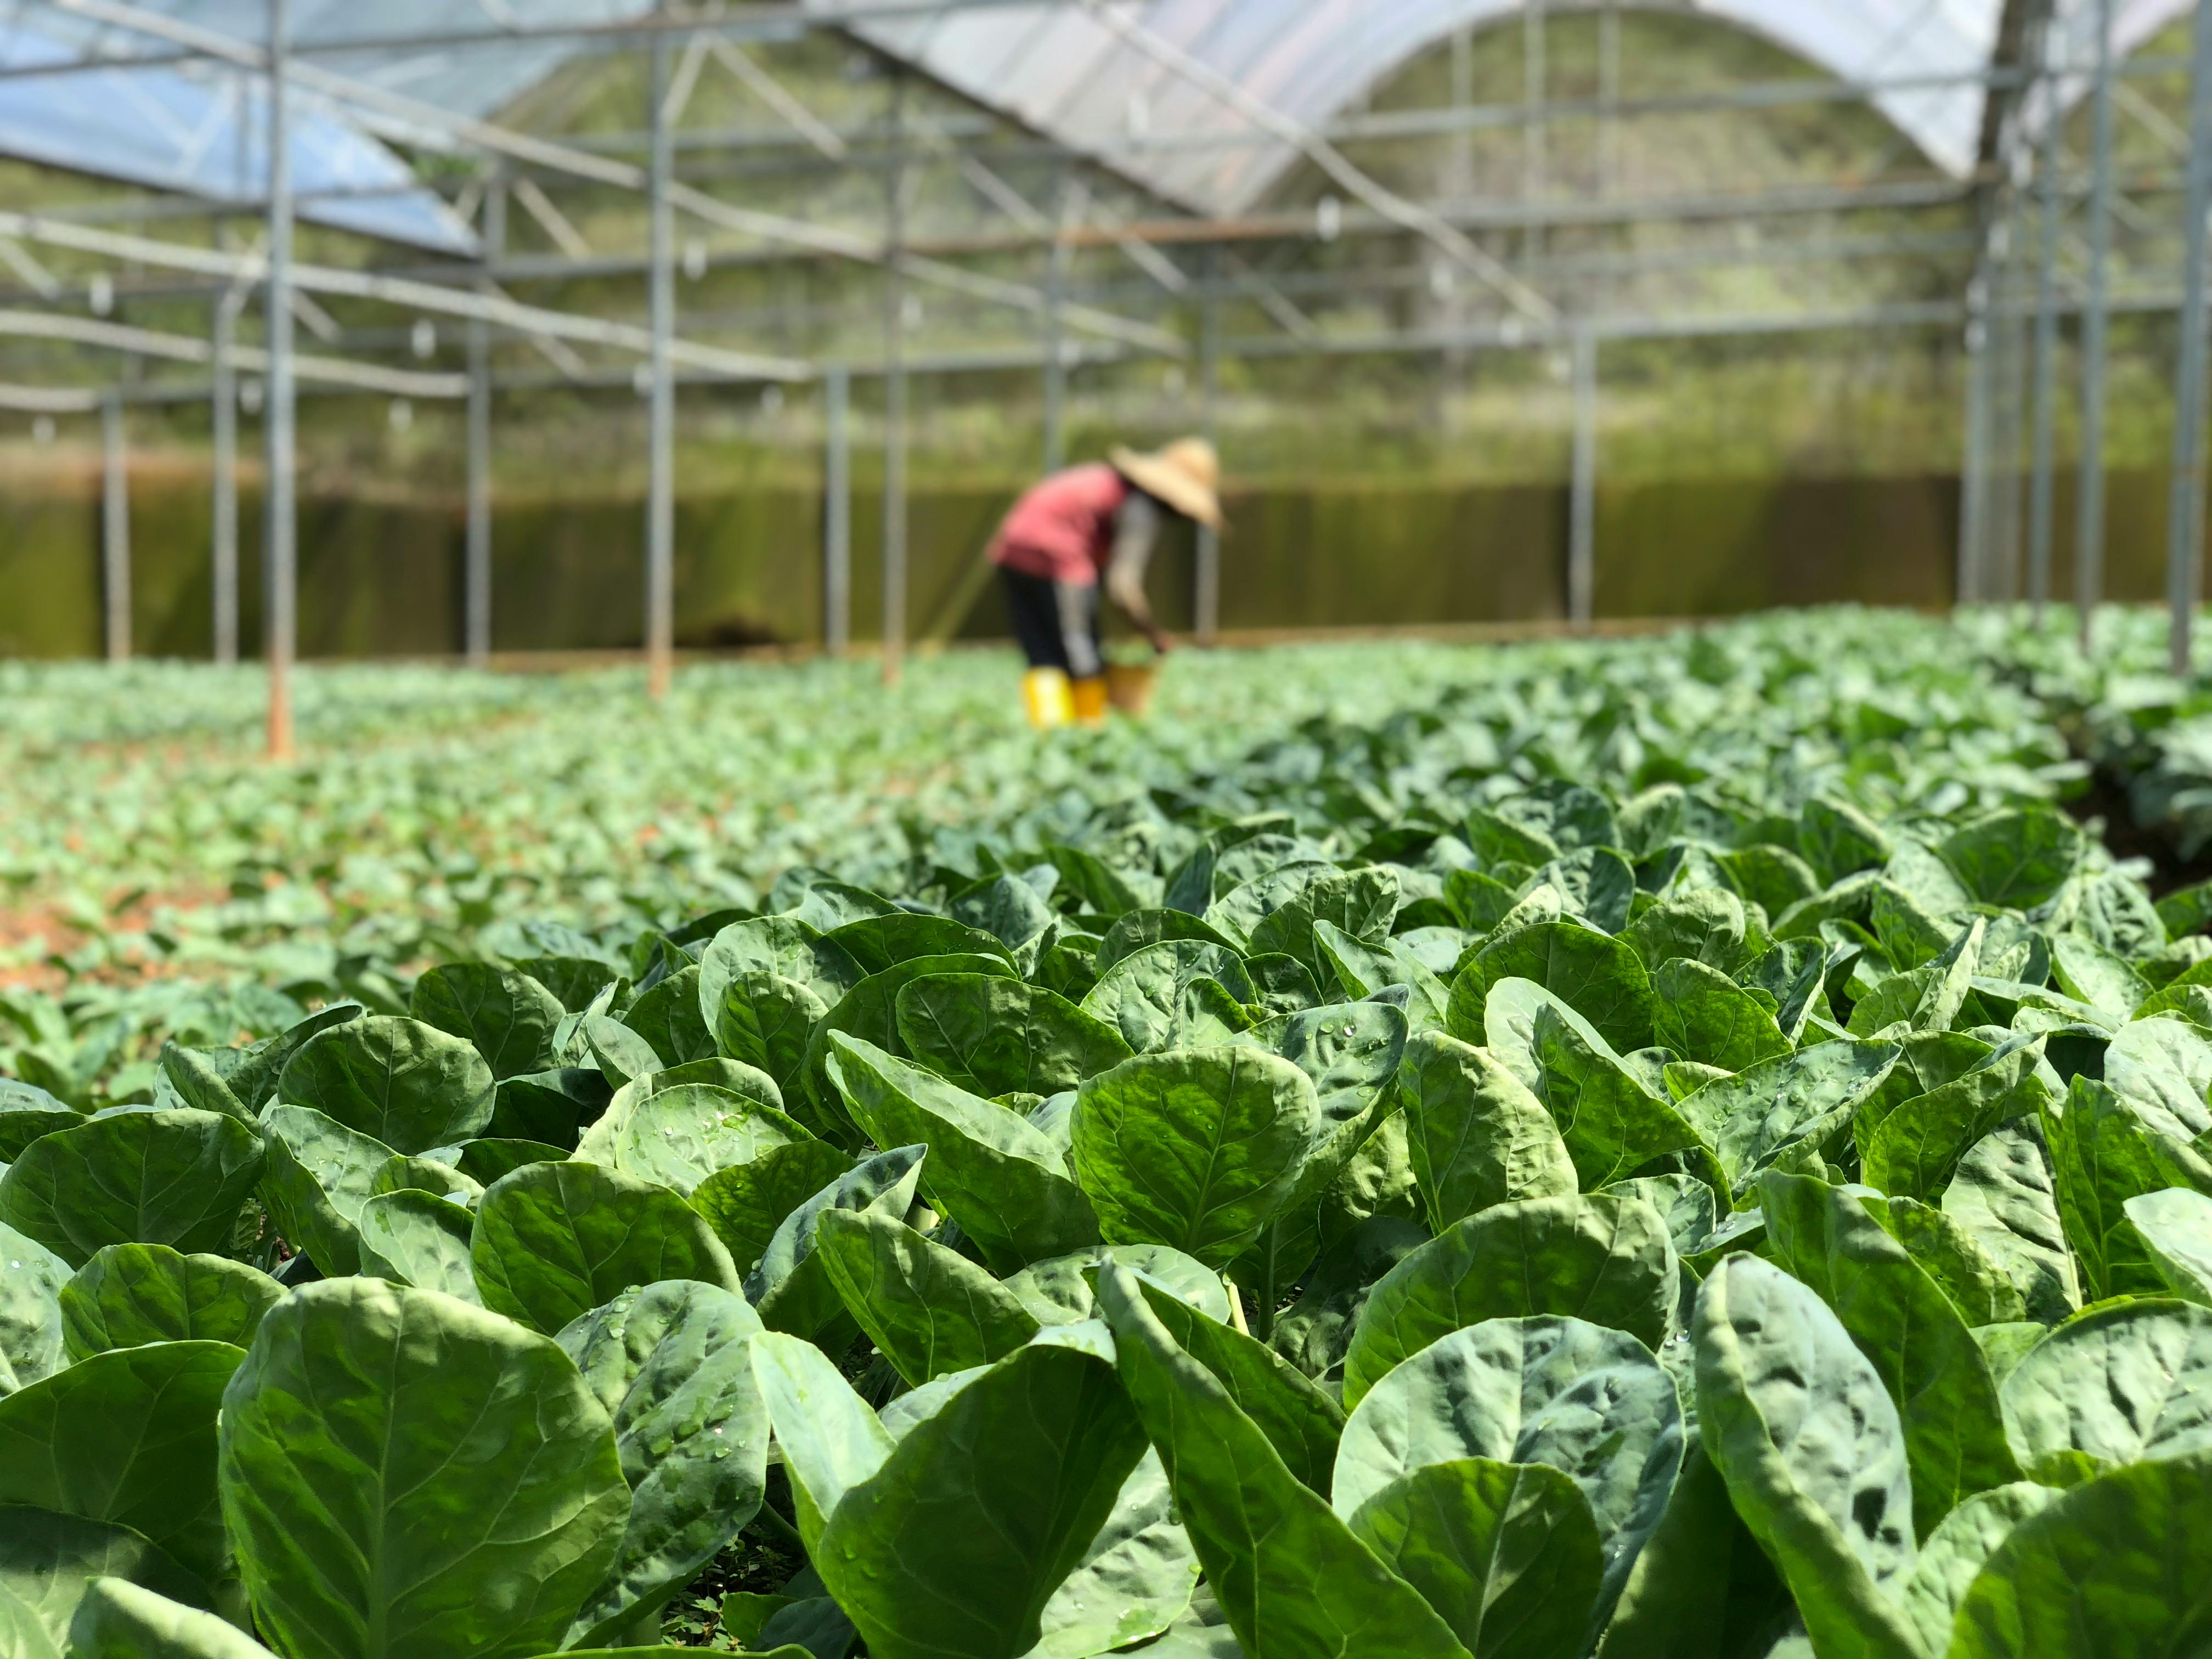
(1671, 1147)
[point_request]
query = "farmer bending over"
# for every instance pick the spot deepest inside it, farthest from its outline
(1074, 528)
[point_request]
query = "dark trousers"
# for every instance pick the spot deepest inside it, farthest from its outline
(1057, 624)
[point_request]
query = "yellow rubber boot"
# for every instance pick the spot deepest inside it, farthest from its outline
(1089, 697)
(1045, 695)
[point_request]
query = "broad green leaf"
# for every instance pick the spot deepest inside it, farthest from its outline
(678, 1137)
(1908, 1332)
(485, 1161)
(1360, 903)
(127, 1437)
(1142, 996)
(2115, 1569)
(1949, 1253)
(464, 1494)
(877, 943)
(2162, 1069)
(1301, 1422)
(995, 1036)
(1703, 1015)
(1197, 1148)
(131, 1294)
(668, 1016)
(1957, 1550)
(1706, 925)
(1315, 1333)
(1749, 1119)
(928, 1309)
(1839, 840)
(830, 1440)
(2004, 1194)
(26, 1113)
(1914, 1152)
(419, 1238)
(47, 1564)
(672, 1365)
(1475, 1135)
(956, 1544)
(2103, 1154)
(2018, 858)
(1100, 889)
(2176, 1228)
(31, 1323)
(118, 1619)
(1923, 998)
(1611, 1124)
(869, 1012)
(621, 1054)
(164, 1177)
(989, 1168)
(1605, 1260)
(1005, 912)
(1602, 979)
(1689, 1206)
(255, 1078)
(1059, 1292)
(746, 1203)
(1134, 1580)
(1133, 932)
(1590, 1402)
(1801, 1429)
(508, 1016)
(190, 1072)
(2117, 1385)
(554, 1241)
(319, 1174)
(426, 1175)
(1701, 1581)
(782, 945)
(410, 1085)
(1507, 1554)
(551, 1106)
(764, 1021)
(794, 1291)
(1291, 1578)
(2088, 973)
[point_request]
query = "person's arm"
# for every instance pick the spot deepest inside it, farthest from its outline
(1136, 527)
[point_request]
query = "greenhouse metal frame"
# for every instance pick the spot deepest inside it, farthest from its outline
(272, 108)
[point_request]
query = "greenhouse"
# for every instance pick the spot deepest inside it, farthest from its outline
(1036, 829)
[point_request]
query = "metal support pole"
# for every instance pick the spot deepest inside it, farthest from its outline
(1055, 366)
(280, 549)
(2041, 483)
(1532, 127)
(660, 478)
(894, 389)
(1206, 599)
(838, 511)
(477, 577)
(1973, 473)
(1581, 509)
(2184, 529)
(2007, 411)
(2089, 529)
(223, 405)
(115, 524)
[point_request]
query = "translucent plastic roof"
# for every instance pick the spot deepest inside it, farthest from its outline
(1099, 75)
(1067, 70)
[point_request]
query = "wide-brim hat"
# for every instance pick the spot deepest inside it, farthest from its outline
(1186, 475)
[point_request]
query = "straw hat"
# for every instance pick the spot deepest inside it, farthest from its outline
(1186, 475)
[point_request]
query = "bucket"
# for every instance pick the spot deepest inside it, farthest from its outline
(1129, 686)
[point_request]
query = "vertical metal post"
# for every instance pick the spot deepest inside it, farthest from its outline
(1581, 507)
(837, 511)
(660, 477)
(115, 524)
(2007, 411)
(2041, 479)
(1055, 365)
(1532, 121)
(1973, 472)
(280, 549)
(476, 620)
(1608, 98)
(223, 402)
(894, 389)
(2184, 529)
(2089, 528)
(1206, 599)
